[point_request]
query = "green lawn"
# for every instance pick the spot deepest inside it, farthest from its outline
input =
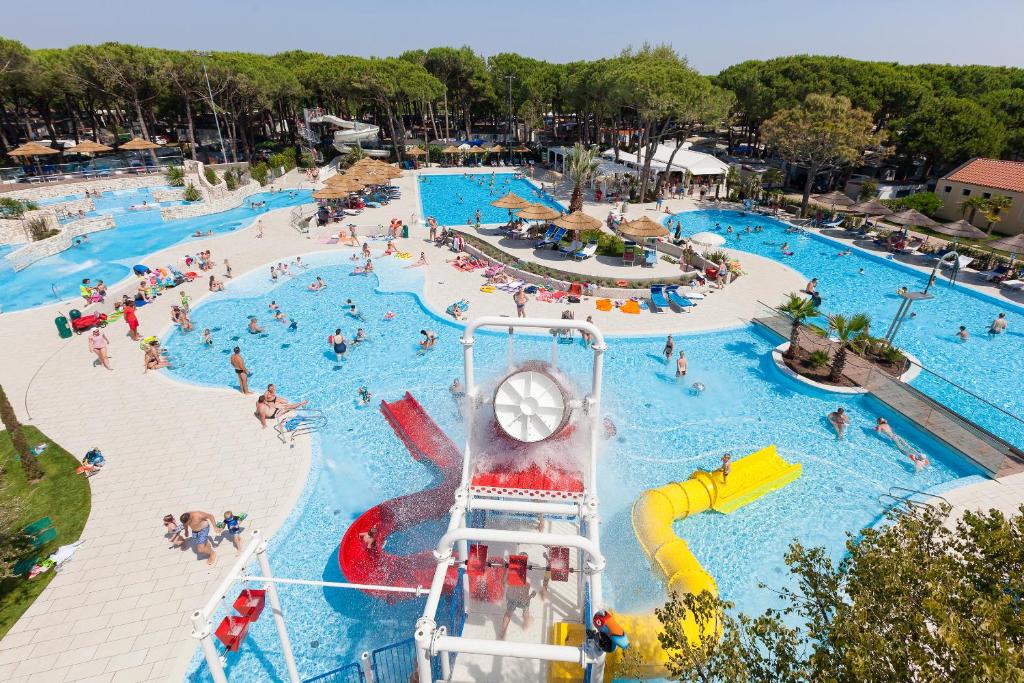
(62, 495)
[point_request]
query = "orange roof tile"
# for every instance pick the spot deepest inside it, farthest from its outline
(994, 173)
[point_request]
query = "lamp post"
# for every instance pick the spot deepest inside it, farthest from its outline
(213, 107)
(508, 140)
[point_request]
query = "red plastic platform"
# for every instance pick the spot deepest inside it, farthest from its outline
(426, 443)
(533, 482)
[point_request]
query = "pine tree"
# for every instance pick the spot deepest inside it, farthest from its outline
(28, 459)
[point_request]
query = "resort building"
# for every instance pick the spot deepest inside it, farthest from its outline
(985, 178)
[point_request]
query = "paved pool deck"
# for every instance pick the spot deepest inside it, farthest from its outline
(119, 610)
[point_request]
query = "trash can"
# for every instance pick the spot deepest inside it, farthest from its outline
(63, 327)
(405, 230)
(74, 314)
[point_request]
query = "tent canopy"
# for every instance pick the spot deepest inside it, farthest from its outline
(696, 163)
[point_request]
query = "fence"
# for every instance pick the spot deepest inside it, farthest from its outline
(350, 673)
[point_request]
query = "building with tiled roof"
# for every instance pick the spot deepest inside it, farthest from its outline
(985, 178)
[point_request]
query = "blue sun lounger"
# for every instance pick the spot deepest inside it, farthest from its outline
(672, 292)
(658, 297)
(554, 239)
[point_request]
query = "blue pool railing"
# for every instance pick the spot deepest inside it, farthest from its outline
(350, 673)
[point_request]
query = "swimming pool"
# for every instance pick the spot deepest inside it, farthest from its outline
(664, 433)
(990, 367)
(109, 255)
(454, 198)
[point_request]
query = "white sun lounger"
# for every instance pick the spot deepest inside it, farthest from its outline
(1013, 284)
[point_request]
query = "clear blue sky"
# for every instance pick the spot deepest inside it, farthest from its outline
(711, 34)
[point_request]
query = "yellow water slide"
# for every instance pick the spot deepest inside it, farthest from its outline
(654, 512)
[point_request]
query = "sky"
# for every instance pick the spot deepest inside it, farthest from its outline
(712, 35)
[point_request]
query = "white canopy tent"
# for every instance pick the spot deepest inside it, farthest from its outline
(696, 163)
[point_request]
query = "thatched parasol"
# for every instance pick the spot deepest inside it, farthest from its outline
(834, 199)
(1013, 244)
(496, 149)
(577, 220)
(415, 152)
(511, 201)
(538, 212)
(346, 185)
(871, 208)
(642, 228)
(959, 229)
(451, 149)
(521, 148)
(332, 192)
(911, 217)
(32, 149)
(89, 147)
(138, 144)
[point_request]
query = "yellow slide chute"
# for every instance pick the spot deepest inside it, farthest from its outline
(654, 512)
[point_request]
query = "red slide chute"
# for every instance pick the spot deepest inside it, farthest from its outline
(426, 443)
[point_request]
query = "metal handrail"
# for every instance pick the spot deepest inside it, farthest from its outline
(917, 493)
(968, 392)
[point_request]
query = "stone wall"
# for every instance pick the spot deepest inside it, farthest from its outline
(114, 182)
(173, 195)
(73, 206)
(35, 251)
(223, 202)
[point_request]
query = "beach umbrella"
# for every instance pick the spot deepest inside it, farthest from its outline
(1010, 244)
(451, 149)
(89, 147)
(415, 152)
(960, 229)
(538, 212)
(32, 149)
(497, 149)
(343, 179)
(331, 193)
(138, 144)
(871, 208)
(911, 217)
(642, 228)
(521, 148)
(577, 221)
(708, 239)
(345, 185)
(834, 199)
(512, 201)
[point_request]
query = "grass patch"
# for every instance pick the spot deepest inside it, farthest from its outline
(62, 495)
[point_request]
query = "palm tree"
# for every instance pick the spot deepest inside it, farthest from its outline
(852, 332)
(995, 206)
(773, 177)
(798, 309)
(581, 164)
(974, 205)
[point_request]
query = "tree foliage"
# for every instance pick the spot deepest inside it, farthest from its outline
(919, 599)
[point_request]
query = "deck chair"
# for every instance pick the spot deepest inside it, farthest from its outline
(650, 258)
(659, 300)
(549, 234)
(23, 567)
(628, 256)
(586, 252)
(573, 247)
(43, 538)
(672, 292)
(556, 237)
(299, 423)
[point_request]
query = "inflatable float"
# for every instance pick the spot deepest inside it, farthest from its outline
(654, 513)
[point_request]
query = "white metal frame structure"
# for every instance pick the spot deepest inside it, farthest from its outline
(453, 548)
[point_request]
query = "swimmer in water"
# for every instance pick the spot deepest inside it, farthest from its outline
(681, 364)
(364, 395)
(697, 388)
(207, 337)
(293, 325)
(254, 326)
(919, 459)
(669, 349)
(962, 333)
(360, 336)
(839, 420)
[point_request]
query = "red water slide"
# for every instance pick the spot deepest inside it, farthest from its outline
(426, 443)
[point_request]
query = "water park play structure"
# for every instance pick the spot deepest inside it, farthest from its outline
(350, 134)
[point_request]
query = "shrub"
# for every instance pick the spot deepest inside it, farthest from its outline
(259, 172)
(211, 175)
(818, 358)
(925, 202)
(285, 159)
(191, 194)
(37, 230)
(891, 354)
(175, 176)
(307, 160)
(15, 208)
(231, 179)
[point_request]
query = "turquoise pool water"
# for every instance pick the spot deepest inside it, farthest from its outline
(664, 433)
(454, 198)
(990, 367)
(110, 254)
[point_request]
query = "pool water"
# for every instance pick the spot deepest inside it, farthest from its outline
(454, 198)
(108, 255)
(664, 434)
(989, 366)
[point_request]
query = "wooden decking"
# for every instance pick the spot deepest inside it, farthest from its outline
(986, 450)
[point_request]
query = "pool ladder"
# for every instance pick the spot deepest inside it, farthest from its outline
(903, 500)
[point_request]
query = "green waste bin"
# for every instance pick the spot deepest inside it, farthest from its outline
(74, 314)
(405, 230)
(63, 328)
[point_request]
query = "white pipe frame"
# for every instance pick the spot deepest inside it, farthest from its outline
(429, 639)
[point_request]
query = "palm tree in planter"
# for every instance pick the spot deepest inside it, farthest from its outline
(852, 332)
(798, 309)
(972, 205)
(581, 164)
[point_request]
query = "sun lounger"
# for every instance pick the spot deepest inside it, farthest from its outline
(573, 247)
(650, 258)
(672, 292)
(653, 307)
(658, 297)
(586, 252)
(556, 237)
(995, 273)
(962, 262)
(833, 224)
(512, 286)
(1016, 285)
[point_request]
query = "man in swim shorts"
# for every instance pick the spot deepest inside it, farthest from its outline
(429, 339)
(681, 364)
(243, 372)
(517, 598)
(998, 325)
(200, 524)
(839, 420)
(254, 326)
(520, 299)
